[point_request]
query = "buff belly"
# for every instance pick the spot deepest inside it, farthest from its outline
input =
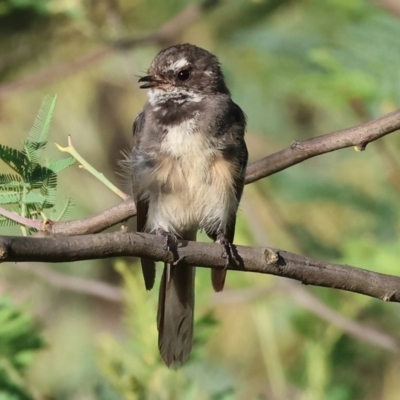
(192, 185)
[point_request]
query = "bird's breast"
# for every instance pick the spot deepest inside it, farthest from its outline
(191, 185)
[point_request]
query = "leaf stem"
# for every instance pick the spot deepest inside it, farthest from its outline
(33, 223)
(84, 164)
(23, 209)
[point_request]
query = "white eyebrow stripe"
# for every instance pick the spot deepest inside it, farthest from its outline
(179, 64)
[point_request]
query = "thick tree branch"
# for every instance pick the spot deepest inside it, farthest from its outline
(253, 259)
(358, 137)
(261, 260)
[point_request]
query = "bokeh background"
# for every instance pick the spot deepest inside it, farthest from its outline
(86, 330)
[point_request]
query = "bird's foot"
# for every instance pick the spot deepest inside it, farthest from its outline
(171, 242)
(227, 250)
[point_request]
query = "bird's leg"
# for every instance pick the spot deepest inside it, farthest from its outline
(227, 249)
(171, 241)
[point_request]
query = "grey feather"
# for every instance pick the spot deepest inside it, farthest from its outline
(188, 166)
(175, 313)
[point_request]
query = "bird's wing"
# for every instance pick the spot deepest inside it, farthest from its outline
(142, 207)
(238, 123)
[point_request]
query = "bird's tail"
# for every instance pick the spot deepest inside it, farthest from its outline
(175, 313)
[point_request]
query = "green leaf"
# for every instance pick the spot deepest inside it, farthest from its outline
(31, 149)
(35, 198)
(34, 189)
(9, 198)
(10, 189)
(19, 341)
(10, 179)
(7, 222)
(62, 211)
(41, 127)
(15, 159)
(59, 165)
(38, 175)
(48, 190)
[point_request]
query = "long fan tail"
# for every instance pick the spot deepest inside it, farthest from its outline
(175, 314)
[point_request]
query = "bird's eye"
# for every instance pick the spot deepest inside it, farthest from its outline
(184, 75)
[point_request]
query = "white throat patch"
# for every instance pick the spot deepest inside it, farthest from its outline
(177, 95)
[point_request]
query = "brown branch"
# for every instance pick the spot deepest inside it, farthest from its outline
(262, 260)
(254, 259)
(358, 136)
(300, 295)
(166, 33)
(93, 224)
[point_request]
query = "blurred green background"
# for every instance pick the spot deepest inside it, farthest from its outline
(298, 69)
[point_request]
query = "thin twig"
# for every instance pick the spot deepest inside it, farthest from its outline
(70, 149)
(358, 137)
(33, 223)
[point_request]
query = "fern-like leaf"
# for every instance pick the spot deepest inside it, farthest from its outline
(41, 127)
(31, 231)
(15, 159)
(19, 341)
(41, 174)
(35, 198)
(62, 211)
(33, 211)
(48, 190)
(59, 165)
(9, 198)
(31, 149)
(50, 196)
(10, 184)
(32, 188)
(7, 222)
(10, 179)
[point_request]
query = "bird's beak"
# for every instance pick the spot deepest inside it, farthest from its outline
(149, 82)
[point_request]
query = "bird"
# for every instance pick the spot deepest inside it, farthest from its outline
(187, 166)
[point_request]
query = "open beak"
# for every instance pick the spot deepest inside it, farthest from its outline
(150, 81)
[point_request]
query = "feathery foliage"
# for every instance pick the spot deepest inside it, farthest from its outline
(31, 190)
(19, 341)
